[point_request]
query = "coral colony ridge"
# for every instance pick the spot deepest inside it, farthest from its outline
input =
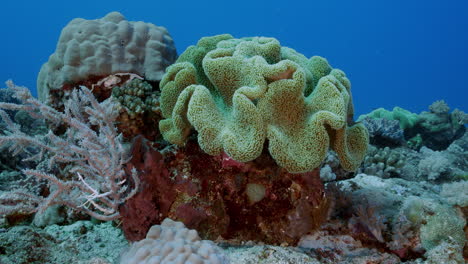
(239, 150)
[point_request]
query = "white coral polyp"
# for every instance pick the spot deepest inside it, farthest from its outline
(171, 243)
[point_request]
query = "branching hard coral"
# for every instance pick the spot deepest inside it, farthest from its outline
(384, 163)
(137, 97)
(89, 155)
(238, 93)
(140, 108)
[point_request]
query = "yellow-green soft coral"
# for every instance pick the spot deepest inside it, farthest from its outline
(236, 93)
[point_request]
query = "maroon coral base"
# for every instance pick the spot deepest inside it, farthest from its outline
(208, 194)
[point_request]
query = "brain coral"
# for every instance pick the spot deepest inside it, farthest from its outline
(105, 46)
(172, 242)
(236, 93)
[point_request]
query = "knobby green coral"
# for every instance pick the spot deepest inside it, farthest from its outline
(407, 119)
(137, 96)
(236, 93)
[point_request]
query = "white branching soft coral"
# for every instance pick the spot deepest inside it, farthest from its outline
(89, 156)
(434, 164)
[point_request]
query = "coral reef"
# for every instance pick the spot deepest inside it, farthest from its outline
(415, 218)
(373, 219)
(93, 49)
(236, 93)
(439, 166)
(256, 150)
(435, 129)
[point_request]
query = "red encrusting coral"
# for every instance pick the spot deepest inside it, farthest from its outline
(210, 194)
(155, 194)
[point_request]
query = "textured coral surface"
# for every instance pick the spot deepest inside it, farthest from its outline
(237, 93)
(96, 48)
(171, 242)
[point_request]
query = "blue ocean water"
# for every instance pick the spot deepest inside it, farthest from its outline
(396, 53)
